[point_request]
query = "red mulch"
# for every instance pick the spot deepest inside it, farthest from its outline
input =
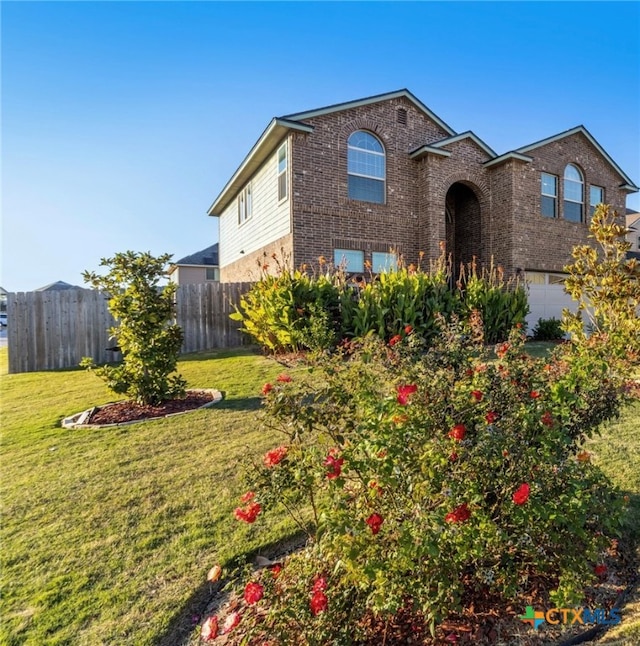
(128, 411)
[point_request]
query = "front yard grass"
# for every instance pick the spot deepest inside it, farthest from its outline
(107, 535)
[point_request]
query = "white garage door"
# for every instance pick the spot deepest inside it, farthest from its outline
(547, 297)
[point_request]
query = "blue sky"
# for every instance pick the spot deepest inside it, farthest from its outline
(121, 121)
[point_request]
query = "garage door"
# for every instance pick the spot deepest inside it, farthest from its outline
(547, 297)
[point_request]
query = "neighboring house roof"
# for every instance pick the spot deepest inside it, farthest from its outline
(632, 220)
(58, 286)
(207, 257)
(627, 183)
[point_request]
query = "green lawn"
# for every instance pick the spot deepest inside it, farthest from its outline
(107, 535)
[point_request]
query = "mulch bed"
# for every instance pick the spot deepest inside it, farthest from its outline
(128, 411)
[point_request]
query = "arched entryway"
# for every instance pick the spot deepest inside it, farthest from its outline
(463, 225)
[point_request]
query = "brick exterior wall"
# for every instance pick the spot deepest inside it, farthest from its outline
(495, 211)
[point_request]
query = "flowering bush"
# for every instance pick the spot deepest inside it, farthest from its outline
(429, 472)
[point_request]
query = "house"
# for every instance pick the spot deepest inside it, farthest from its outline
(199, 267)
(633, 232)
(376, 178)
(58, 286)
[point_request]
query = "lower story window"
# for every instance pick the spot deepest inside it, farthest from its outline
(212, 273)
(383, 262)
(349, 260)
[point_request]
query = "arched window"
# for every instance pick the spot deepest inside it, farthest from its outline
(365, 167)
(573, 194)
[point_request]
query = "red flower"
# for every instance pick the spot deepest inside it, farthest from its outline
(283, 378)
(375, 522)
(534, 394)
(334, 464)
(275, 456)
(318, 603)
(491, 417)
(459, 514)
(600, 570)
(547, 419)
(453, 457)
(247, 497)
(404, 392)
(253, 592)
(209, 630)
(395, 339)
(399, 419)
(477, 395)
(249, 513)
(275, 570)
(408, 329)
(319, 584)
(502, 349)
(522, 494)
(267, 388)
(231, 622)
(458, 432)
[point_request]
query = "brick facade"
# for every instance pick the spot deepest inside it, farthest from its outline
(453, 192)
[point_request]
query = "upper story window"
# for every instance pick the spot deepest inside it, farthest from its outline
(596, 196)
(549, 197)
(351, 261)
(245, 204)
(282, 172)
(573, 194)
(365, 167)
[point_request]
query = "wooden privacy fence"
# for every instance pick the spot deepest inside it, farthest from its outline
(54, 330)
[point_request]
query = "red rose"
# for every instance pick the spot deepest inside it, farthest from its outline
(534, 394)
(408, 329)
(453, 457)
(404, 392)
(491, 417)
(318, 603)
(395, 339)
(334, 464)
(477, 395)
(283, 378)
(253, 592)
(522, 494)
(600, 570)
(459, 514)
(547, 419)
(267, 388)
(502, 349)
(275, 456)
(247, 497)
(231, 622)
(275, 570)
(375, 522)
(458, 432)
(249, 513)
(209, 629)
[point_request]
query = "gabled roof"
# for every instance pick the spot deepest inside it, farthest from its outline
(465, 135)
(279, 127)
(207, 257)
(58, 286)
(337, 107)
(627, 183)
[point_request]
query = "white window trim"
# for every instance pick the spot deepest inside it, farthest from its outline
(245, 204)
(283, 172)
(564, 192)
(382, 154)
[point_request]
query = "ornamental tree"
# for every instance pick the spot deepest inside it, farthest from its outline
(149, 342)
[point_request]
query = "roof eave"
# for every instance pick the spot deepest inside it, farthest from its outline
(274, 133)
(629, 187)
(466, 135)
(502, 159)
(423, 151)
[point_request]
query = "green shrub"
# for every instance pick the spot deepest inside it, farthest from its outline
(548, 330)
(502, 303)
(149, 343)
(429, 472)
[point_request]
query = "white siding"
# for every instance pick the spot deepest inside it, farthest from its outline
(269, 222)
